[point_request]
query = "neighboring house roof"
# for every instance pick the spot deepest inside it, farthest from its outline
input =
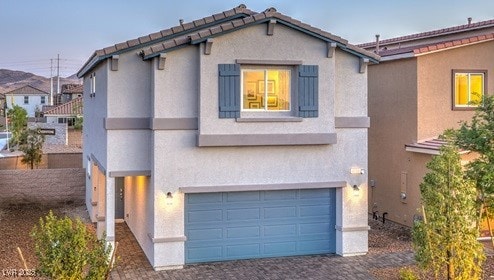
(72, 88)
(199, 31)
(428, 146)
(418, 50)
(71, 108)
(431, 34)
(26, 90)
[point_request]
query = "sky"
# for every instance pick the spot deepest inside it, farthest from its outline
(34, 32)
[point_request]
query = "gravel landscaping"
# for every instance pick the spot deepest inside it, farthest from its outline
(16, 223)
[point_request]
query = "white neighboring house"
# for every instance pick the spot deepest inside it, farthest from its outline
(27, 97)
(64, 113)
(239, 135)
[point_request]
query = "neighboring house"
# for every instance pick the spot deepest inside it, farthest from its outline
(423, 85)
(239, 135)
(29, 98)
(69, 92)
(64, 113)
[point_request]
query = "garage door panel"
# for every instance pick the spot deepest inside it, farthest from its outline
(314, 228)
(205, 253)
(205, 216)
(243, 232)
(280, 248)
(248, 250)
(281, 230)
(315, 210)
(206, 234)
(204, 198)
(316, 193)
(243, 197)
(260, 224)
(280, 195)
(280, 212)
(243, 214)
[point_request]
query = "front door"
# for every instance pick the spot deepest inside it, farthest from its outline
(119, 198)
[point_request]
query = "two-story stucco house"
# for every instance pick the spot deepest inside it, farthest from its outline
(424, 84)
(27, 97)
(238, 135)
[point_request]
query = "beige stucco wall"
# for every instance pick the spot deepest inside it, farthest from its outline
(435, 85)
(411, 100)
(392, 103)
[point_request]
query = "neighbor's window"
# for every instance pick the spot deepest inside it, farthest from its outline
(26, 99)
(266, 89)
(469, 88)
(43, 99)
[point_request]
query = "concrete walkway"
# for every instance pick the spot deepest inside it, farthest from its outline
(132, 264)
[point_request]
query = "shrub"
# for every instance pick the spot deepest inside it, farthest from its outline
(408, 274)
(66, 249)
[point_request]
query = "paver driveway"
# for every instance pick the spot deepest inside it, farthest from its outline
(134, 265)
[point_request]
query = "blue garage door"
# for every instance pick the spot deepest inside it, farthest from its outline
(259, 224)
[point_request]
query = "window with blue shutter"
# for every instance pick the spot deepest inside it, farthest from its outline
(308, 91)
(229, 91)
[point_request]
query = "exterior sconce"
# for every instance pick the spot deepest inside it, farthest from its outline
(356, 190)
(355, 170)
(169, 198)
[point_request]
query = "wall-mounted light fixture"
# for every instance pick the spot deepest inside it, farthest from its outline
(356, 190)
(355, 170)
(169, 198)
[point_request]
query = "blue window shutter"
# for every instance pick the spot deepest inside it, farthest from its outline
(308, 91)
(229, 91)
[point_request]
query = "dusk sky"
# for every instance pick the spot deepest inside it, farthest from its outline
(35, 31)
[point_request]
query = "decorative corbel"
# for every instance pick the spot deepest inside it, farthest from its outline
(363, 64)
(114, 62)
(208, 45)
(161, 61)
(271, 24)
(331, 49)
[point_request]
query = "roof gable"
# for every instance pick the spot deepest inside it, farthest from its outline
(166, 34)
(216, 25)
(26, 90)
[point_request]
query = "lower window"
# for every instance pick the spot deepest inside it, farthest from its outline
(469, 88)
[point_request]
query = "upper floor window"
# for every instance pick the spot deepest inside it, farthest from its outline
(26, 99)
(43, 99)
(266, 89)
(469, 88)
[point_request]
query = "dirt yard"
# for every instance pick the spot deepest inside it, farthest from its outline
(17, 222)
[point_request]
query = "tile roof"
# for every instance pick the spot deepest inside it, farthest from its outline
(433, 33)
(26, 90)
(438, 46)
(429, 146)
(215, 25)
(153, 38)
(71, 108)
(72, 88)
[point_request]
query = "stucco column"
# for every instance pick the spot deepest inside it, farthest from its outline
(110, 211)
(351, 223)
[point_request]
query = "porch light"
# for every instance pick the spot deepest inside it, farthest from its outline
(169, 198)
(356, 190)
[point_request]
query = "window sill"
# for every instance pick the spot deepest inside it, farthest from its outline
(270, 119)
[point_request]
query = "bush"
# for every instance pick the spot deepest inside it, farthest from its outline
(408, 274)
(66, 249)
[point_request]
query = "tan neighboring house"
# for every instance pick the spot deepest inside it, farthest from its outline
(68, 93)
(421, 87)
